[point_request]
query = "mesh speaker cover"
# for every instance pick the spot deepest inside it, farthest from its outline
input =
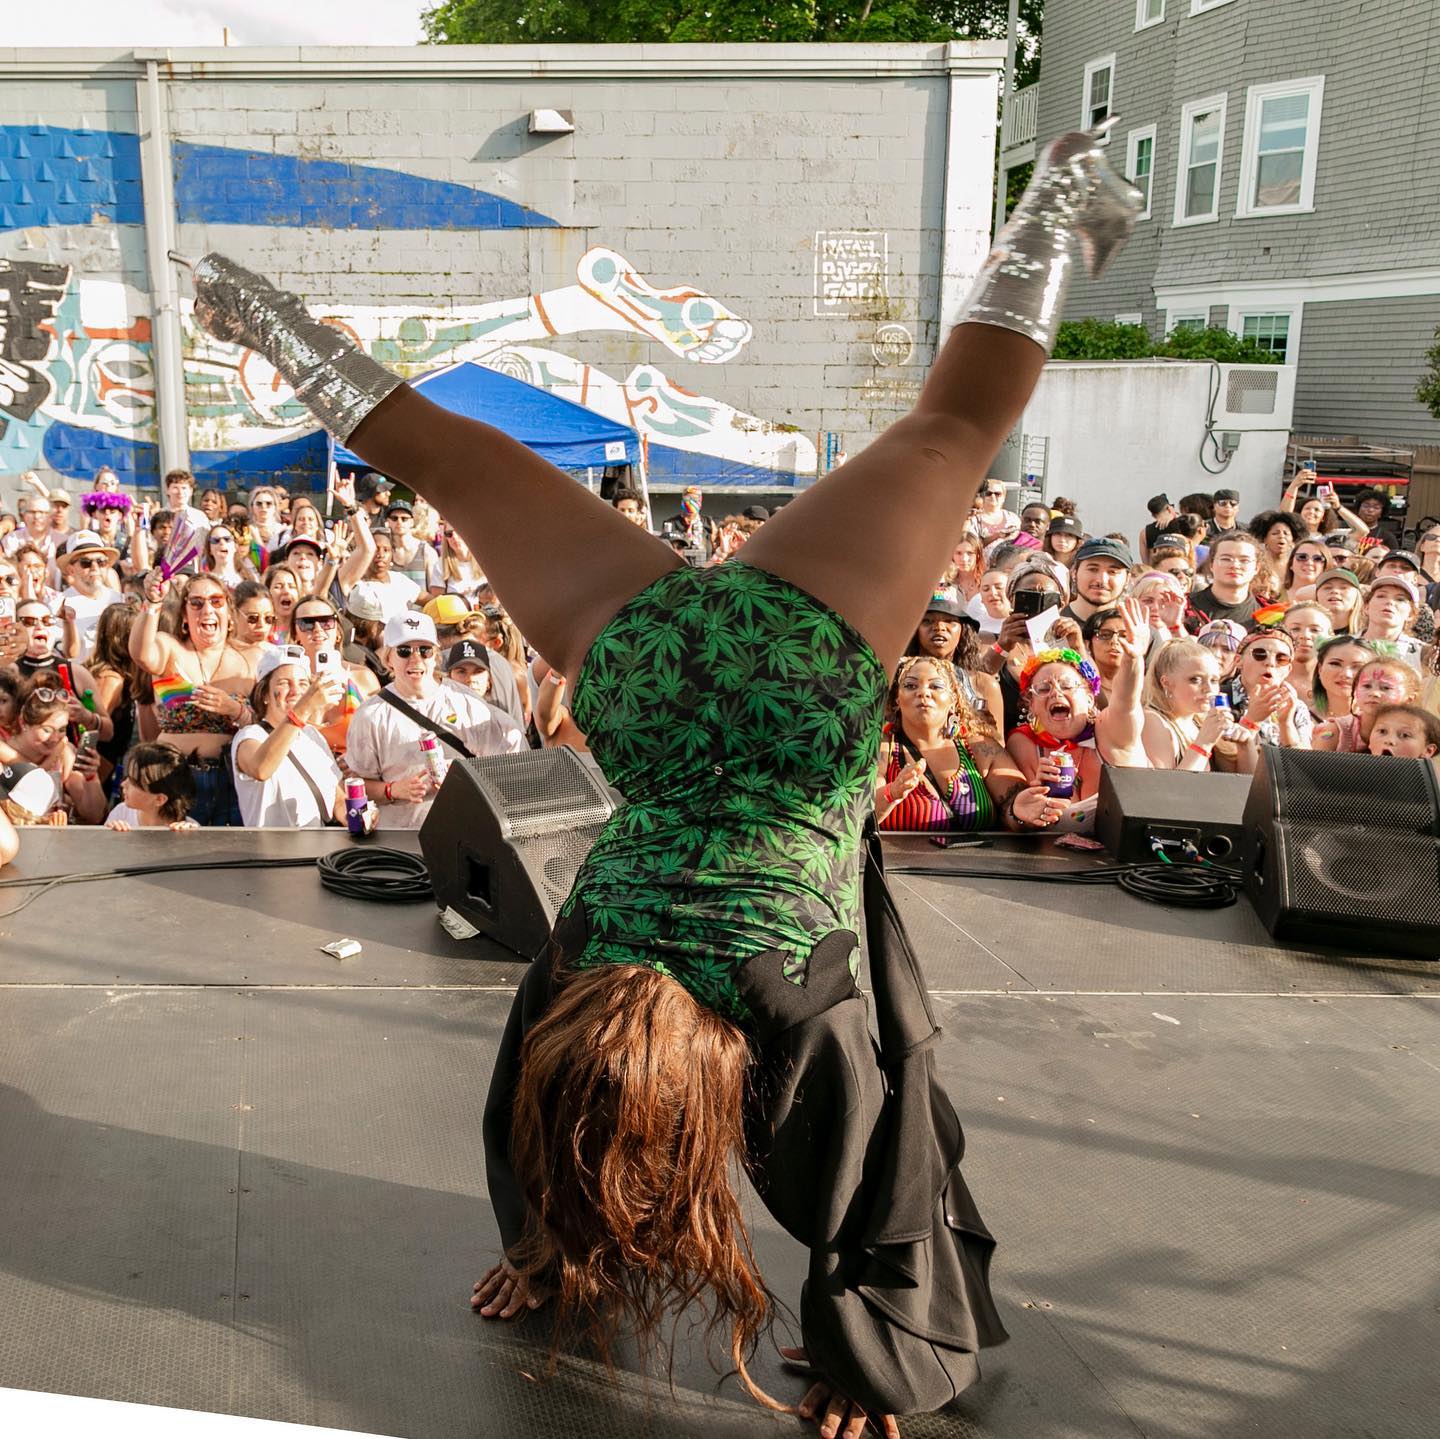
(539, 791)
(1388, 795)
(1343, 873)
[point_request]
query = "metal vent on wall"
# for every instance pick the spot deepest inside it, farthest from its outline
(1251, 392)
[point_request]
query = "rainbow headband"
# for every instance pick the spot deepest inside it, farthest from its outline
(1088, 672)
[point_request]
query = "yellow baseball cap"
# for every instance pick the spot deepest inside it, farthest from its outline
(449, 610)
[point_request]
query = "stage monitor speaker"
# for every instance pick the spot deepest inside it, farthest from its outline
(505, 838)
(1138, 806)
(1343, 850)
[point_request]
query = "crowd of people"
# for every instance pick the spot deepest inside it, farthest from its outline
(298, 648)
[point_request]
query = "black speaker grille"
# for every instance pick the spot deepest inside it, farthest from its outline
(555, 859)
(1346, 789)
(540, 791)
(1343, 871)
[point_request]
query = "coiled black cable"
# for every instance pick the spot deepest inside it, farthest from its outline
(389, 875)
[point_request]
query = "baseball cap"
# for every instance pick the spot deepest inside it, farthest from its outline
(448, 610)
(403, 507)
(276, 657)
(1232, 495)
(1156, 503)
(1103, 549)
(946, 601)
(1221, 634)
(29, 786)
(1336, 572)
(755, 512)
(1407, 557)
(371, 484)
(1171, 542)
(409, 627)
(1066, 525)
(60, 497)
(1398, 582)
(366, 601)
(304, 540)
(466, 652)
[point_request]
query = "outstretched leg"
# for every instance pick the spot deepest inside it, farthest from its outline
(872, 537)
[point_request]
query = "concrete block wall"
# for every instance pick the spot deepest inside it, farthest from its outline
(412, 208)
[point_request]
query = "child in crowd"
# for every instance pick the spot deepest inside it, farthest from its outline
(1407, 731)
(156, 791)
(1380, 684)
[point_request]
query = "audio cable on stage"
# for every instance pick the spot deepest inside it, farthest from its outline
(387, 875)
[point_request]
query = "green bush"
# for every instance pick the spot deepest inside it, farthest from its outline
(1103, 340)
(1428, 390)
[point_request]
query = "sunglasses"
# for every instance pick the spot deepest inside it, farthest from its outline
(35, 619)
(308, 622)
(1264, 654)
(92, 564)
(200, 602)
(994, 494)
(405, 651)
(1109, 634)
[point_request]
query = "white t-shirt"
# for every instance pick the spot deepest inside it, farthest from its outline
(285, 801)
(395, 593)
(383, 744)
(87, 616)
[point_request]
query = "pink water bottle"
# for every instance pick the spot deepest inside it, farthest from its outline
(434, 760)
(355, 806)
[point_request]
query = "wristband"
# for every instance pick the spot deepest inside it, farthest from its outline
(1248, 723)
(292, 718)
(554, 678)
(998, 648)
(351, 511)
(389, 798)
(1199, 749)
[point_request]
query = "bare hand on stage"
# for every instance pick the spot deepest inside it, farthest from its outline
(503, 1293)
(835, 1415)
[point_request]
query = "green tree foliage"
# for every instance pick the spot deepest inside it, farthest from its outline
(608, 22)
(1428, 390)
(1101, 340)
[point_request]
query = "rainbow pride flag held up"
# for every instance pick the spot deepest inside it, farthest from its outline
(259, 556)
(352, 697)
(173, 690)
(1267, 616)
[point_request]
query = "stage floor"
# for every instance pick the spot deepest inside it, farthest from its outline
(242, 1176)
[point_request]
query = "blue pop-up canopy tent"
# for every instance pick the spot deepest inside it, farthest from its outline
(566, 434)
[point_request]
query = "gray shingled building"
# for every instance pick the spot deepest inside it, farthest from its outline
(1287, 149)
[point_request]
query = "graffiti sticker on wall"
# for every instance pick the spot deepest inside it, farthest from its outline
(30, 293)
(851, 269)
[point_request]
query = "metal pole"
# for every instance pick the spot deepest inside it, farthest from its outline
(166, 354)
(1002, 175)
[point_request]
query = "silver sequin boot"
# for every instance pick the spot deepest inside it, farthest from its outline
(339, 383)
(1075, 201)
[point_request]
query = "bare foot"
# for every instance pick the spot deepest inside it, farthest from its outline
(502, 1293)
(836, 1415)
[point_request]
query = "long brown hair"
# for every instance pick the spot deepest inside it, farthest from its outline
(628, 1121)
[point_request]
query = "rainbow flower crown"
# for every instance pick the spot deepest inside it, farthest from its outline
(1088, 672)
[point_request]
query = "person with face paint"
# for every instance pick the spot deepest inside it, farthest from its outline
(1379, 681)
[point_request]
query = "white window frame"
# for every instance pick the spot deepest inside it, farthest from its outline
(1132, 145)
(1105, 62)
(1238, 313)
(1182, 175)
(1201, 7)
(1255, 98)
(1141, 23)
(1134, 317)
(1176, 317)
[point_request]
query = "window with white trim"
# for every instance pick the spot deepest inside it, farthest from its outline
(1134, 317)
(1281, 144)
(1202, 146)
(1140, 164)
(1148, 13)
(1099, 91)
(1269, 331)
(1186, 320)
(1199, 7)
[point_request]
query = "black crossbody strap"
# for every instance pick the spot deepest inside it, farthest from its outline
(444, 735)
(326, 807)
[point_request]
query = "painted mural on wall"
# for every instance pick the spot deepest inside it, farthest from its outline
(77, 385)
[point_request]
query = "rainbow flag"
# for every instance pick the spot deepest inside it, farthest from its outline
(1268, 616)
(173, 690)
(259, 556)
(352, 697)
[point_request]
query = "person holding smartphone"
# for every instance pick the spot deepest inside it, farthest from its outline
(1034, 587)
(1321, 513)
(315, 629)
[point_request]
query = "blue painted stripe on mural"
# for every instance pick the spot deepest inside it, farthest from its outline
(669, 466)
(50, 175)
(220, 186)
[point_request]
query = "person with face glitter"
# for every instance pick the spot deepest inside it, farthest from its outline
(752, 693)
(1379, 682)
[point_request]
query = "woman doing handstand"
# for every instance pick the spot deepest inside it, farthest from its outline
(697, 1004)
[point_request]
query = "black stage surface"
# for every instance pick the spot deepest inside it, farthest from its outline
(242, 1176)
